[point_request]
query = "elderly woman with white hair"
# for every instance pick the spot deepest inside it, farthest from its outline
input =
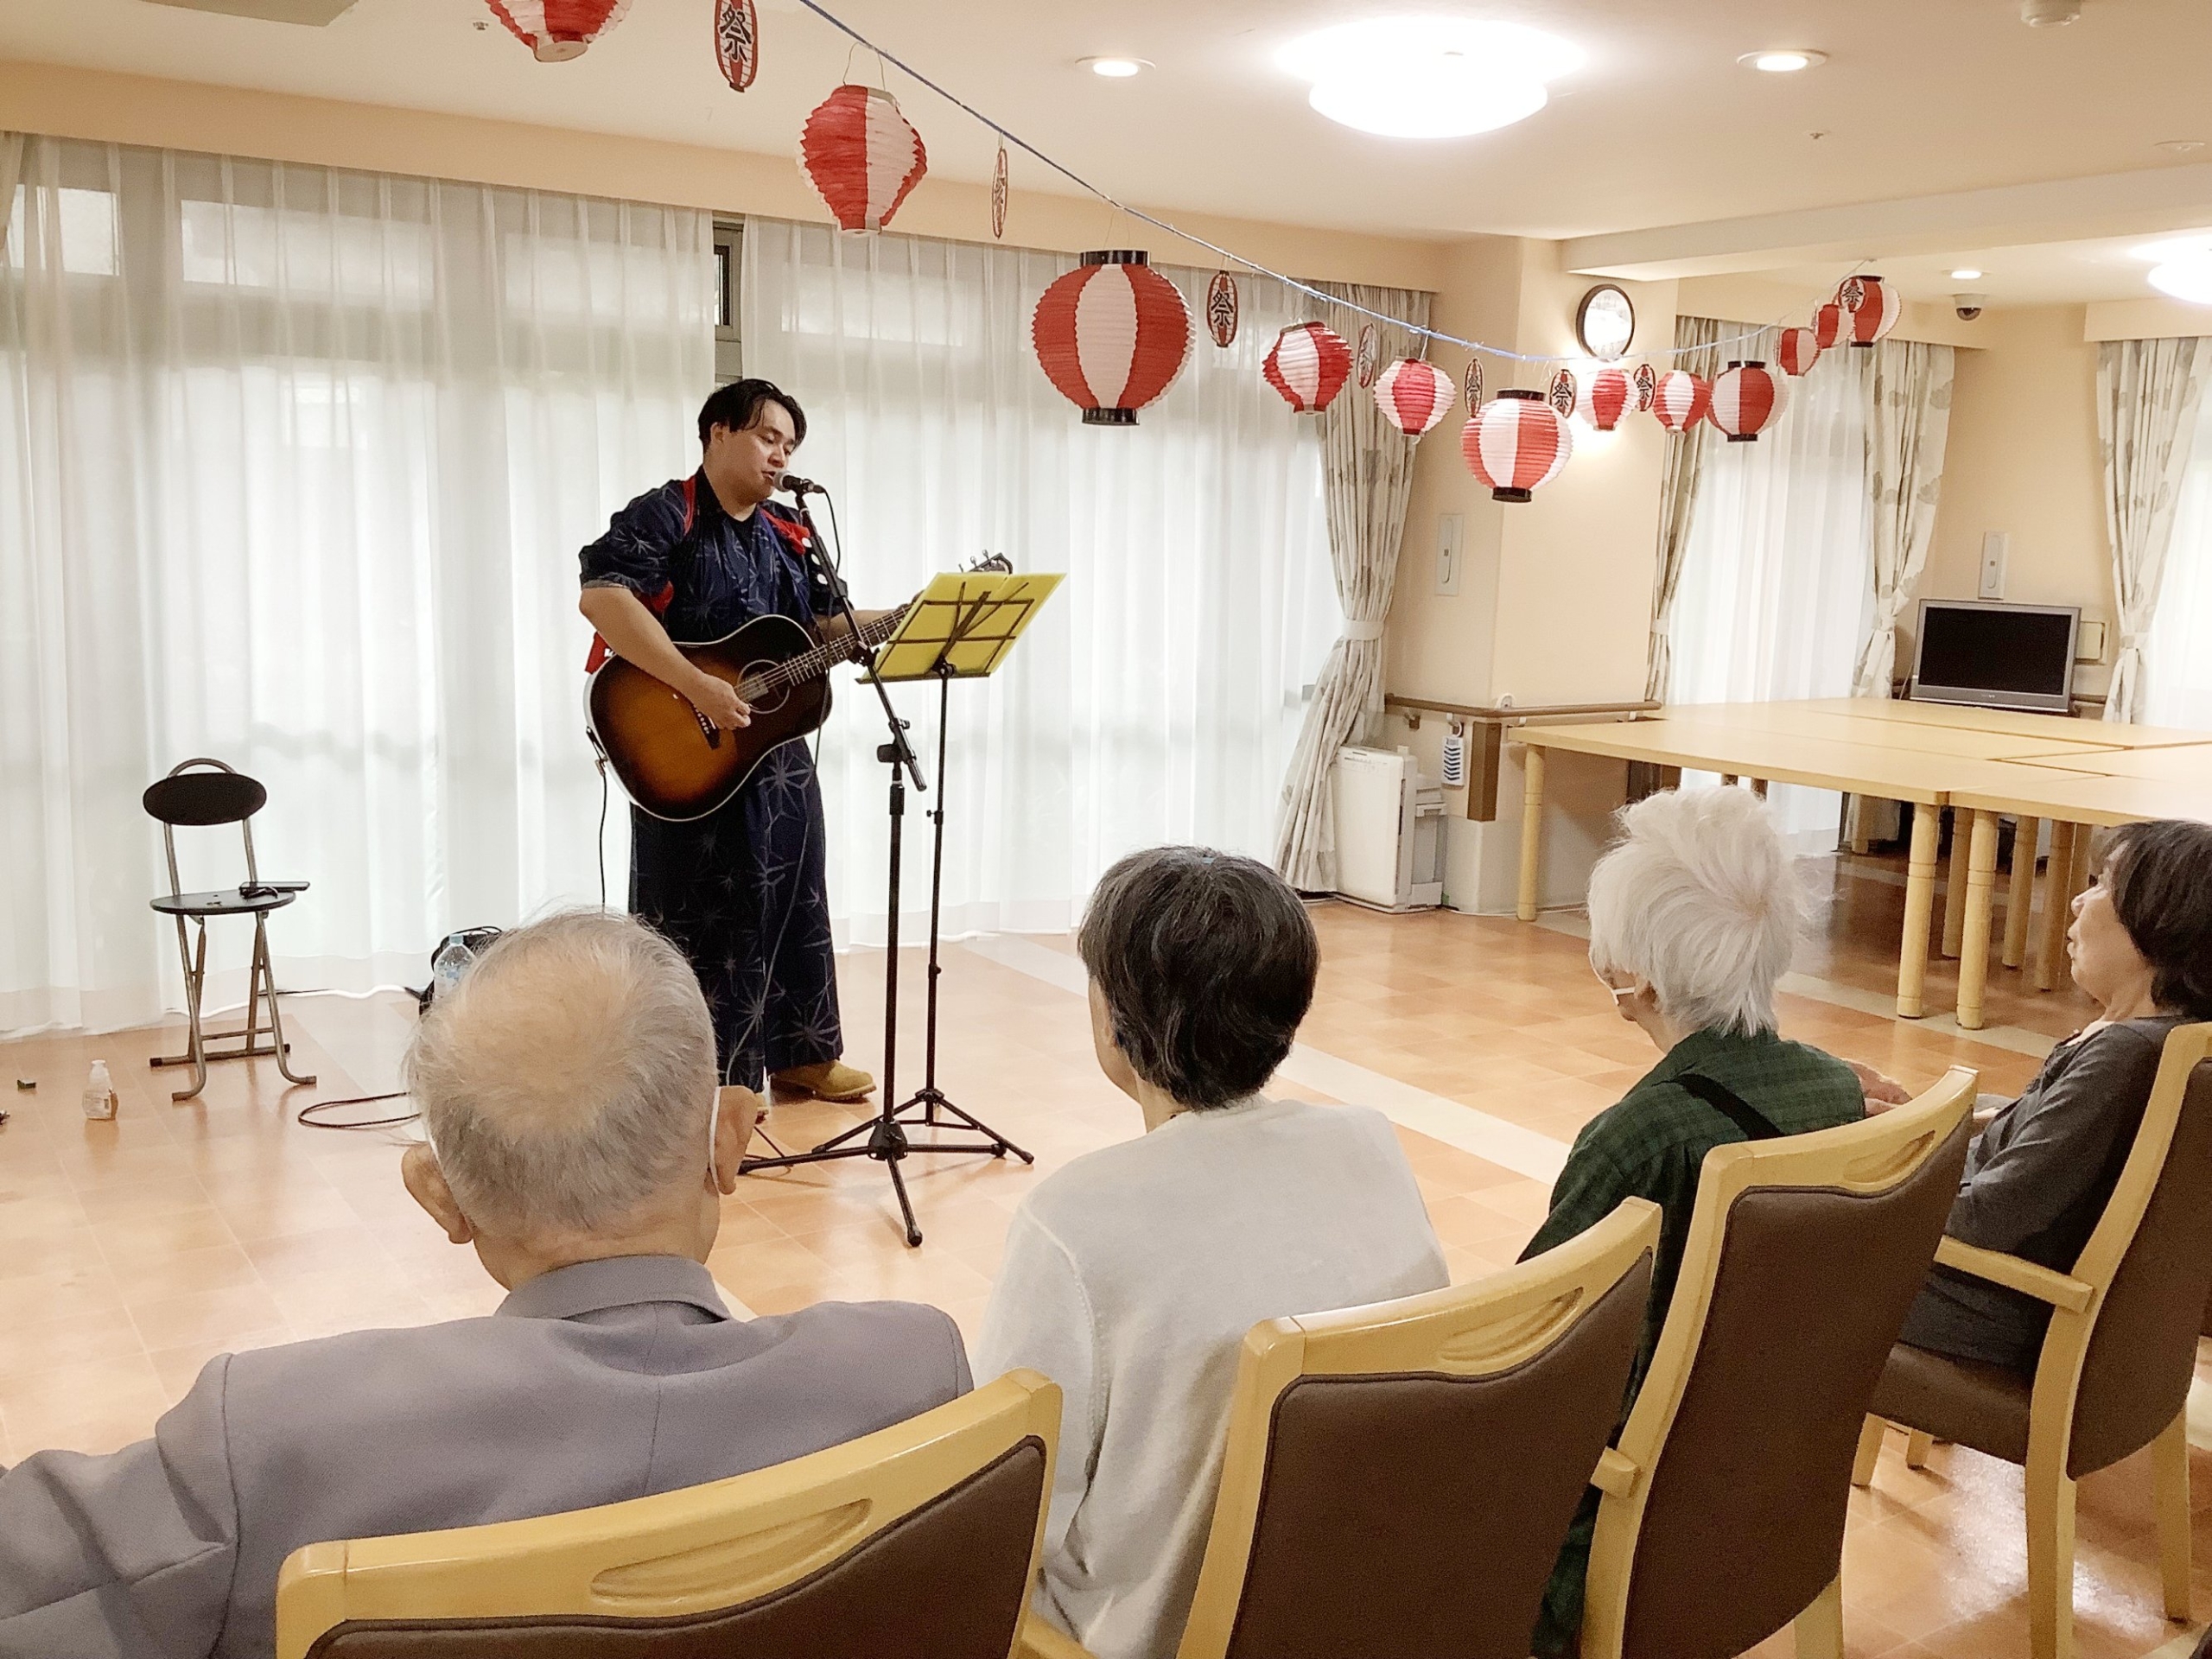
(1694, 916)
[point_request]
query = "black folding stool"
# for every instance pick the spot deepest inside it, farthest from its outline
(200, 793)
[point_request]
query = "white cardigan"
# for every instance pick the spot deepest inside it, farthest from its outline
(1130, 1279)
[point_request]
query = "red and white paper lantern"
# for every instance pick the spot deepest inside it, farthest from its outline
(1872, 306)
(1112, 335)
(1606, 396)
(1797, 351)
(1516, 445)
(1308, 364)
(1414, 396)
(557, 30)
(1680, 399)
(737, 42)
(1830, 326)
(861, 156)
(1747, 398)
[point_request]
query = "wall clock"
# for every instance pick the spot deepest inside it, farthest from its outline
(1605, 323)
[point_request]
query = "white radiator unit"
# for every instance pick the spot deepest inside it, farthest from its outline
(1389, 831)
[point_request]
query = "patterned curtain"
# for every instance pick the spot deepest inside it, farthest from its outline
(1906, 430)
(12, 174)
(1694, 351)
(2148, 391)
(1367, 471)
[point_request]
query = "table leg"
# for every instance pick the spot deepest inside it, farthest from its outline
(1859, 843)
(2059, 874)
(1532, 828)
(1954, 889)
(1919, 903)
(2021, 899)
(1982, 894)
(1727, 780)
(1758, 787)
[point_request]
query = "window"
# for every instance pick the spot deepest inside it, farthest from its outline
(729, 351)
(2178, 666)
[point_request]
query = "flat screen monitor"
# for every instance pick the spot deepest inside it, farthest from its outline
(1997, 656)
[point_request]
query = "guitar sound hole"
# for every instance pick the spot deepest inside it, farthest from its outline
(768, 701)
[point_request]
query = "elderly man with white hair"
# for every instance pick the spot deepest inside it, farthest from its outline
(577, 1141)
(1694, 917)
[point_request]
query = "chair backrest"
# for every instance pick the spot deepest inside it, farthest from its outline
(918, 1540)
(1397, 1478)
(1803, 1256)
(2149, 1264)
(202, 791)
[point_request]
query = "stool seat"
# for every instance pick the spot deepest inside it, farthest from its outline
(226, 901)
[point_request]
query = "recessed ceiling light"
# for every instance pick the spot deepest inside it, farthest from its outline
(1428, 77)
(2187, 279)
(1115, 68)
(1783, 62)
(1965, 276)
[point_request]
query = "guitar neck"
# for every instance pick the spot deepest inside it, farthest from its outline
(812, 664)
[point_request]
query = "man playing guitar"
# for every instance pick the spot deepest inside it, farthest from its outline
(741, 890)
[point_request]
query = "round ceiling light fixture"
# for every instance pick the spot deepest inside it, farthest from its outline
(2049, 13)
(1965, 276)
(1787, 62)
(2189, 279)
(2179, 146)
(1115, 68)
(2175, 250)
(1428, 77)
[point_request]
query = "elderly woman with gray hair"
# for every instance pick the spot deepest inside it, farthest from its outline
(1694, 917)
(1131, 1275)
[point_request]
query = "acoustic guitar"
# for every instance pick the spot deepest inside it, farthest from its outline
(671, 760)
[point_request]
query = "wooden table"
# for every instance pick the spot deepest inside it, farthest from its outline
(1980, 762)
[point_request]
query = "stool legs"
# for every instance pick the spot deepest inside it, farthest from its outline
(276, 1019)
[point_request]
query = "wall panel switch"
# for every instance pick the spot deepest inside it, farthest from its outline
(1451, 544)
(1993, 545)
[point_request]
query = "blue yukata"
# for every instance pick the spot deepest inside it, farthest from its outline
(741, 892)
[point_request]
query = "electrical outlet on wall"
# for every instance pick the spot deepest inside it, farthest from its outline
(1450, 542)
(1993, 545)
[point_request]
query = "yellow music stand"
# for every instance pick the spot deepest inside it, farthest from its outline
(960, 627)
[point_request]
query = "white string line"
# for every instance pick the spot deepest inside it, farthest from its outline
(1253, 265)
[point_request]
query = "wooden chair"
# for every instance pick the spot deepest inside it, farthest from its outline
(919, 1542)
(1397, 1478)
(1723, 1509)
(2114, 1370)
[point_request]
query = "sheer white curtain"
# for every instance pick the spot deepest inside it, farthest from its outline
(294, 465)
(1158, 696)
(1777, 588)
(2178, 667)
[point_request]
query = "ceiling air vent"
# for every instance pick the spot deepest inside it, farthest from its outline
(313, 13)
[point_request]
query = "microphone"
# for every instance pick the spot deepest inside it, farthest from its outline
(799, 486)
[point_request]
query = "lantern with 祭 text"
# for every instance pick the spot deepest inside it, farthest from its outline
(999, 194)
(1516, 445)
(1369, 355)
(1647, 384)
(1563, 392)
(1412, 395)
(1830, 326)
(1747, 398)
(1470, 384)
(1222, 309)
(861, 156)
(1112, 335)
(1606, 396)
(1796, 350)
(1871, 306)
(557, 30)
(737, 42)
(1679, 401)
(1308, 365)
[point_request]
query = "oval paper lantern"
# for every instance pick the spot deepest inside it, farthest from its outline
(999, 194)
(1516, 445)
(1308, 365)
(1747, 398)
(1797, 351)
(1605, 397)
(1678, 399)
(1222, 309)
(1563, 393)
(1470, 384)
(557, 30)
(1830, 326)
(1414, 396)
(1647, 386)
(861, 156)
(1112, 335)
(1370, 354)
(737, 42)
(1872, 306)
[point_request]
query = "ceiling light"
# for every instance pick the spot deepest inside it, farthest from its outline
(1115, 68)
(2049, 14)
(1965, 276)
(2175, 249)
(1428, 77)
(2179, 146)
(2186, 279)
(1782, 63)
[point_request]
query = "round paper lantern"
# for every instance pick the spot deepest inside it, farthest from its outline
(1872, 306)
(1308, 365)
(1112, 335)
(737, 42)
(861, 156)
(1414, 396)
(1516, 445)
(1830, 326)
(1796, 350)
(1678, 399)
(1747, 398)
(557, 30)
(1222, 309)
(1647, 386)
(1605, 397)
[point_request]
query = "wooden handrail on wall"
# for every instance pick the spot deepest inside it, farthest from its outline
(1484, 753)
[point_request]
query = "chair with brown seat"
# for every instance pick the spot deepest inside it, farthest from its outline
(918, 1541)
(2114, 1373)
(1723, 1509)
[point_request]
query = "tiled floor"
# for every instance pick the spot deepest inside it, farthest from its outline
(132, 1251)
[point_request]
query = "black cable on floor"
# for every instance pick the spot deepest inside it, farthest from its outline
(307, 1119)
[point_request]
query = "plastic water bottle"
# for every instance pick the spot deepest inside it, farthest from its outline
(452, 961)
(99, 1093)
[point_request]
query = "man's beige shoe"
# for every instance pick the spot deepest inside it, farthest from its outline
(831, 1080)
